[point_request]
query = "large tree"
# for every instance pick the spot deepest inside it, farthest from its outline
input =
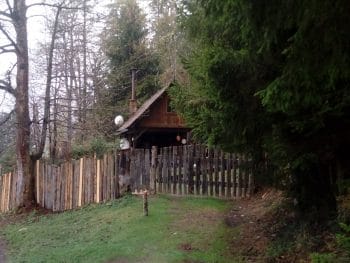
(13, 26)
(17, 15)
(168, 39)
(126, 48)
(274, 76)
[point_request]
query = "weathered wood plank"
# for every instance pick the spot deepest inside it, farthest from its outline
(98, 180)
(216, 171)
(116, 175)
(222, 174)
(1, 193)
(180, 171)
(243, 176)
(80, 191)
(159, 168)
(37, 180)
(153, 175)
(228, 176)
(147, 168)
(238, 176)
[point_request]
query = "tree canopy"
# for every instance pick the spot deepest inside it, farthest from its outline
(126, 48)
(273, 77)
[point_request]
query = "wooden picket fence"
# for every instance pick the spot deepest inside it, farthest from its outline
(197, 170)
(8, 191)
(77, 183)
(182, 170)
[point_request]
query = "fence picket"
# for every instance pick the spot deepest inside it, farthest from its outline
(174, 177)
(1, 193)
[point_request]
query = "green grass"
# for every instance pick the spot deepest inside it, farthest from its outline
(176, 230)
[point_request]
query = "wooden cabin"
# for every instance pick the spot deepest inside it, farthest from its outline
(155, 123)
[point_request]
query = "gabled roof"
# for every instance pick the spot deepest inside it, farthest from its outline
(145, 106)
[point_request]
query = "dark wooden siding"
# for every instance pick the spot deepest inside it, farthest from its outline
(159, 117)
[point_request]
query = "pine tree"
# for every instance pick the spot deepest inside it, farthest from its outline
(126, 48)
(274, 76)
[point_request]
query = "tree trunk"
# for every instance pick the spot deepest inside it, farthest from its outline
(25, 194)
(313, 191)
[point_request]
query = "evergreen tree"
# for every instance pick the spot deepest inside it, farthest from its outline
(7, 142)
(168, 39)
(126, 48)
(274, 76)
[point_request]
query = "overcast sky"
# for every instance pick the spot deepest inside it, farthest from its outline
(36, 19)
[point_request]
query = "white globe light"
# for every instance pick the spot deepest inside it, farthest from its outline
(119, 120)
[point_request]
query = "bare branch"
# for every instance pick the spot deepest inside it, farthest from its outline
(3, 121)
(7, 49)
(56, 6)
(13, 43)
(40, 151)
(9, 7)
(6, 86)
(2, 13)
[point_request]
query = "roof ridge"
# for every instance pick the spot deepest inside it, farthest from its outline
(141, 110)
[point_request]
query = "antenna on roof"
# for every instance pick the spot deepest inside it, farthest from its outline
(132, 102)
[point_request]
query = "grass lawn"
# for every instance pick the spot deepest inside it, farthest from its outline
(176, 230)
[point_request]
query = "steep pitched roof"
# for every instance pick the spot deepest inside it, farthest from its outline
(145, 106)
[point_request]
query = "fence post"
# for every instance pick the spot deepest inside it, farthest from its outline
(80, 181)
(98, 180)
(250, 181)
(238, 176)
(37, 181)
(9, 191)
(190, 153)
(152, 186)
(1, 191)
(145, 203)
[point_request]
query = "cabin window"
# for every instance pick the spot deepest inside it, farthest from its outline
(169, 107)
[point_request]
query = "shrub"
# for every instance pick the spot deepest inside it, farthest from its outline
(98, 146)
(322, 258)
(79, 151)
(7, 161)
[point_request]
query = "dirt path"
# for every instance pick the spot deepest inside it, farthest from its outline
(250, 216)
(2, 251)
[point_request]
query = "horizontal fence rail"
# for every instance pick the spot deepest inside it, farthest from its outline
(181, 170)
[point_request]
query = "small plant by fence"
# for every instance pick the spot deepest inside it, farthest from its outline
(183, 170)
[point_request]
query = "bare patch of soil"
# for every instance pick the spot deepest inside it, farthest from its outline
(186, 247)
(251, 217)
(269, 231)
